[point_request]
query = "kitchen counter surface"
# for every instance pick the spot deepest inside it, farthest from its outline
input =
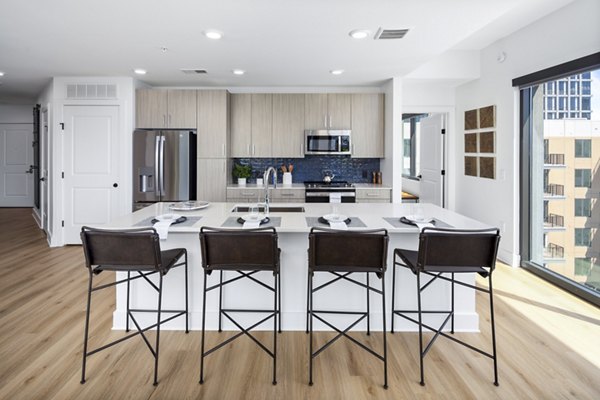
(255, 186)
(372, 215)
(293, 242)
(371, 186)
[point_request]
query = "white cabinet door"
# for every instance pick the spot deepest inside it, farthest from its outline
(16, 155)
(91, 166)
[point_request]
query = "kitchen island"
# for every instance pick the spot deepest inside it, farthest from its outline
(293, 228)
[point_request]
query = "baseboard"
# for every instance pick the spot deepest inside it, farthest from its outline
(509, 258)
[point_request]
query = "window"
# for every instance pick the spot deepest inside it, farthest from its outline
(583, 237)
(583, 266)
(583, 178)
(565, 256)
(583, 207)
(583, 148)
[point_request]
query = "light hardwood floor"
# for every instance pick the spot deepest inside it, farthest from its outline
(548, 343)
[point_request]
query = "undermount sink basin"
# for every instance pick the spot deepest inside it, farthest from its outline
(275, 209)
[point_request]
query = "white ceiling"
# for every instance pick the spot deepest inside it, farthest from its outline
(291, 43)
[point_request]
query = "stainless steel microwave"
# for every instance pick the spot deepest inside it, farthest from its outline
(323, 142)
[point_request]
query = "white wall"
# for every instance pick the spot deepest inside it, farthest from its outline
(567, 34)
(16, 114)
(391, 165)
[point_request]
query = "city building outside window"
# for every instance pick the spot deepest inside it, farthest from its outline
(583, 178)
(583, 266)
(583, 148)
(583, 207)
(583, 237)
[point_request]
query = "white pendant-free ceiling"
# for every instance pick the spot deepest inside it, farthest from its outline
(290, 43)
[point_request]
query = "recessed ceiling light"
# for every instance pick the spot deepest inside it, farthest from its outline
(336, 71)
(213, 34)
(164, 49)
(359, 33)
(238, 72)
(1, 73)
(140, 71)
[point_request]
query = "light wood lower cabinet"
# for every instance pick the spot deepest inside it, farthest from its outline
(282, 195)
(212, 179)
(376, 195)
(254, 195)
(244, 195)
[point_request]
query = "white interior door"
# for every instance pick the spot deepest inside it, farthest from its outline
(16, 157)
(91, 167)
(44, 170)
(432, 160)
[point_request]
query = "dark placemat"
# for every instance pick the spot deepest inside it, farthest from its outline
(232, 222)
(355, 222)
(396, 223)
(265, 220)
(189, 222)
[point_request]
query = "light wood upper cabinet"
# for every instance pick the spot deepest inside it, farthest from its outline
(367, 125)
(262, 124)
(328, 111)
(241, 125)
(173, 109)
(339, 109)
(213, 123)
(181, 109)
(315, 111)
(288, 125)
(150, 108)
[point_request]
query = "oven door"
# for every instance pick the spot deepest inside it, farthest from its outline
(317, 196)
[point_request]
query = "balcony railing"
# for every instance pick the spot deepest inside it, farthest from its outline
(553, 189)
(554, 159)
(554, 220)
(554, 251)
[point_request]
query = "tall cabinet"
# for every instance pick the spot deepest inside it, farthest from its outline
(213, 144)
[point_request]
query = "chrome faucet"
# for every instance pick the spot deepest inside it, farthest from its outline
(266, 182)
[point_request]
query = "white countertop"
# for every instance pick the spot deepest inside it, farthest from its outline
(371, 214)
(371, 186)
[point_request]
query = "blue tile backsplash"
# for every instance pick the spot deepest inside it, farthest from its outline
(310, 168)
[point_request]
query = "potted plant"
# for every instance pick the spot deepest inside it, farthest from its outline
(242, 172)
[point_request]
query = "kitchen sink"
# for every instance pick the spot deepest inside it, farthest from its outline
(275, 209)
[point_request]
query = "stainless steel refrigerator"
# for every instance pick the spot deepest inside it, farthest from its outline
(164, 166)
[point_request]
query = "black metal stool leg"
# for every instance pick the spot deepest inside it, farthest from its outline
(393, 292)
(310, 353)
(275, 311)
(160, 286)
(368, 307)
(452, 321)
(203, 328)
(279, 297)
(220, 298)
(421, 355)
(87, 325)
(385, 369)
(187, 313)
(127, 313)
(307, 299)
(493, 332)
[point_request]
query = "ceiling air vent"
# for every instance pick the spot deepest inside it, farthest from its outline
(194, 71)
(390, 33)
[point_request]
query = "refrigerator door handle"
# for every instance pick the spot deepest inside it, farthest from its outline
(157, 175)
(162, 166)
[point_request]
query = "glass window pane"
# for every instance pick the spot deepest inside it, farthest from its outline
(583, 237)
(583, 207)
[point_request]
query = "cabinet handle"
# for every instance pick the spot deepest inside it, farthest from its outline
(372, 195)
(249, 152)
(330, 121)
(286, 194)
(164, 120)
(169, 119)
(253, 149)
(325, 120)
(246, 194)
(223, 149)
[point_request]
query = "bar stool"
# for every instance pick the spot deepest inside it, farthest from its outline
(247, 252)
(132, 251)
(448, 251)
(343, 253)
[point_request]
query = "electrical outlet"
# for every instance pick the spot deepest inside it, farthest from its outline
(365, 173)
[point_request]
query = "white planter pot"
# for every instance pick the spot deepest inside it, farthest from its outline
(241, 181)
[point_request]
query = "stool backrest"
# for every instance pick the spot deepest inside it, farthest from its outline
(129, 249)
(454, 249)
(359, 251)
(239, 249)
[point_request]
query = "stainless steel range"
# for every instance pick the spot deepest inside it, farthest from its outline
(320, 192)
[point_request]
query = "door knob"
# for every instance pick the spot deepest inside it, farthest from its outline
(115, 184)
(42, 179)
